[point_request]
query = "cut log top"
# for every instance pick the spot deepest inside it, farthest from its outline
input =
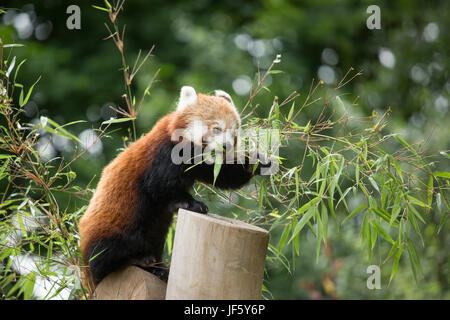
(225, 221)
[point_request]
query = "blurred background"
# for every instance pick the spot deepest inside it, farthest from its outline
(219, 45)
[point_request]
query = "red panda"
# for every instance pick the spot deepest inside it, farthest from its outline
(128, 217)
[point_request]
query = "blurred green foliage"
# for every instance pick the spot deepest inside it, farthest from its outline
(220, 45)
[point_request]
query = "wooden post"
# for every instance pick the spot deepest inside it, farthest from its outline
(131, 283)
(216, 258)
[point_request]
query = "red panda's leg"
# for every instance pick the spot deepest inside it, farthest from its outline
(112, 254)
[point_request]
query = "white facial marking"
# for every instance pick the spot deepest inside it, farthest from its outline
(195, 131)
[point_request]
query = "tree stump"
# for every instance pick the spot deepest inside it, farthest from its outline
(131, 283)
(216, 258)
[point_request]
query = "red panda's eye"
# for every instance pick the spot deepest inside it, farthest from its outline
(217, 130)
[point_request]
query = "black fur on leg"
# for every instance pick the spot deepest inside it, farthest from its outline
(106, 256)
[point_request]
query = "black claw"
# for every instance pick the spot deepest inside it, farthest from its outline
(198, 206)
(163, 274)
(190, 204)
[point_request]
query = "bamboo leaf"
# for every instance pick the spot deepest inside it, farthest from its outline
(354, 213)
(118, 120)
(416, 213)
(325, 222)
(413, 222)
(307, 205)
(319, 224)
(340, 103)
(430, 191)
(395, 209)
(413, 255)
(439, 202)
(17, 70)
(368, 236)
(333, 213)
(406, 145)
(391, 251)
(417, 201)
(342, 198)
(58, 130)
(29, 285)
(217, 165)
(284, 236)
(373, 236)
(275, 71)
(357, 173)
(23, 101)
(302, 222)
(11, 67)
(442, 174)
(398, 169)
(382, 231)
(374, 184)
(13, 45)
(101, 8)
(318, 245)
(398, 254)
(296, 246)
(443, 220)
(291, 111)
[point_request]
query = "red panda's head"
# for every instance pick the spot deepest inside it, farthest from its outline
(208, 120)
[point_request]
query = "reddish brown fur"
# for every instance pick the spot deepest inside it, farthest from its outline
(104, 216)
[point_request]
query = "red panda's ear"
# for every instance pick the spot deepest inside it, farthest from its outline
(226, 96)
(187, 96)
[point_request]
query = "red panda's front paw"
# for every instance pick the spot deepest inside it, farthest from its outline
(198, 206)
(188, 204)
